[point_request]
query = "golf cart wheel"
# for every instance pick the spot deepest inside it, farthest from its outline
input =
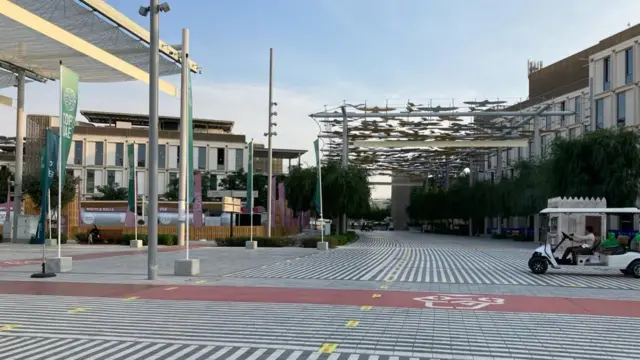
(538, 265)
(634, 269)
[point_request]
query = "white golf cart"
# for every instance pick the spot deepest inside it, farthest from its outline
(622, 258)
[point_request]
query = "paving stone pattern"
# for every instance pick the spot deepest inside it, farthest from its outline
(415, 257)
(98, 329)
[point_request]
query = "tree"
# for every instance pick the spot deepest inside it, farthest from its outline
(300, 185)
(605, 163)
(111, 192)
(32, 187)
(344, 191)
(172, 192)
(237, 180)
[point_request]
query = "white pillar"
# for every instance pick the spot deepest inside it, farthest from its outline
(20, 133)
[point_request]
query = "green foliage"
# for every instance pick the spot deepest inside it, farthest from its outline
(172, 192)
(63, 238)
(334, 240)
(274, 241)
(300, 185)
(604, 163)
(375, 214)
(237, 180)
(32, 187)
(113, 192)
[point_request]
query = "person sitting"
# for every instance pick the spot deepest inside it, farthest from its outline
(585, 248)
(93, 234)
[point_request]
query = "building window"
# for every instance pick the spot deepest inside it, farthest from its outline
(599, 114)
(239, 159)
(543, 146)
(606, 70)
(162, 156)
(91, 181)
(628, 66)
(530, 149)
(213, 182)
(547, 122)
(99, 153)
(142, 155)
(77, 153)
(220, 157)
(508, 157)
(202, 157)
(563, 107)
(572, 133)
(173, 156)
(578, 109)
(172, 176)
(621, 100)
(586, 128)
(119, 154)
(111, 177)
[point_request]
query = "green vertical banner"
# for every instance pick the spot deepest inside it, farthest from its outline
(190, 180)
(48, 164)
(250, 179)
(132, 178)
(317, 196)
(68, 111)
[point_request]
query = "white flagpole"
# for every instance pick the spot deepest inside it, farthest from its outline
(60, 185)
(186, 230)
(319, 169)
(50, 217)
(135, 202)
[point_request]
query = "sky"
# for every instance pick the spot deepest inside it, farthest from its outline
(330, 51)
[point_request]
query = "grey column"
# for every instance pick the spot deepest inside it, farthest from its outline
(20, 130)
(152, 250)
(269, 145)
(345, 156)
(184, 139)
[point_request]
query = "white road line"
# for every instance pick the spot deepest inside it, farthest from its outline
(82, 355)
(256, 354)
(128, 351)
(200, 353)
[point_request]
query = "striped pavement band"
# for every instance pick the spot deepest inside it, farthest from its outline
(61, 324)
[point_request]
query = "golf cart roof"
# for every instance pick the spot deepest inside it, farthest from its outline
(626, 210)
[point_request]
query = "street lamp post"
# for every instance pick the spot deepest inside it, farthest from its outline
(269, 135)
(153, 10)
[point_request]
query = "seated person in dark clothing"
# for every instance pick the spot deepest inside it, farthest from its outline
(585, 248)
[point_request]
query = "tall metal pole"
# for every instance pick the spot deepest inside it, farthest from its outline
(345, 157)
(20, 130)
(184, 134)
(270, 151)
(537, 152)
(154, 15)
(470, 185)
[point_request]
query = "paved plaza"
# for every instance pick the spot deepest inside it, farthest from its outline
(390, 295)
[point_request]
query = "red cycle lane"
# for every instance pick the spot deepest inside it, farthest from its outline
(397, 299)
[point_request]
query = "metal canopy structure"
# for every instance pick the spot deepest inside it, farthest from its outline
(94, 40)
(435, 140)
(89, 36)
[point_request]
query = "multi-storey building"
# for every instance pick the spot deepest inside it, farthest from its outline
(600, 84)
(99, 156)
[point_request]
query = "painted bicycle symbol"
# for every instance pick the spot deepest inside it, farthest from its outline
(458, 301)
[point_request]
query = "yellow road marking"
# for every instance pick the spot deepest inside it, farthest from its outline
(389, 279)
(130, 298)
(384, 287)
(375, 296)
(352, 323)
(77, 310)
(201, 281)
(9, 327)
(327, 348)
(366, 307)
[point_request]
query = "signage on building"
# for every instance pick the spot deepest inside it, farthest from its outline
(230, 193)
(231, 205)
